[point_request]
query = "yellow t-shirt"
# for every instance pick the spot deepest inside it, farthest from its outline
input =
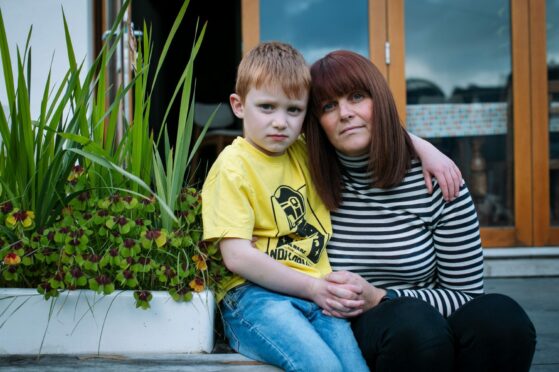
(248, 193)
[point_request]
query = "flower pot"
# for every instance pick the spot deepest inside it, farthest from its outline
(84, 322)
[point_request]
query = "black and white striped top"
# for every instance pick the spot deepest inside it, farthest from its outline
(407, 239)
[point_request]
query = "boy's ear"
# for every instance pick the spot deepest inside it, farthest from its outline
(237, 105)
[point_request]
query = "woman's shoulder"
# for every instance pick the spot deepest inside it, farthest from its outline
(415, 176)
(415, 171)
(414, 182)
(416, 163)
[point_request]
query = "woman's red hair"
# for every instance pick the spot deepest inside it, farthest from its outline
(337, 74)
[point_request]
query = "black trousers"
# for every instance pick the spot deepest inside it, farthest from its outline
(489, 333)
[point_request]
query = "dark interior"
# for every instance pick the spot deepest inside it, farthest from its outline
(216, 63)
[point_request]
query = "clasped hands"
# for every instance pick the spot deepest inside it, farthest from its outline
(344, 294)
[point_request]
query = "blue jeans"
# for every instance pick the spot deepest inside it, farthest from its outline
(288, 332)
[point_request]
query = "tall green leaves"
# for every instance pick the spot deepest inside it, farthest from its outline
(78, 124)
(169, 172)
(34, 160)
(29, 164)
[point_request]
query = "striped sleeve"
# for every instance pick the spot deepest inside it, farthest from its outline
(459, 256)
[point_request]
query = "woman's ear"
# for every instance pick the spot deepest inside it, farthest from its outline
(237, 105)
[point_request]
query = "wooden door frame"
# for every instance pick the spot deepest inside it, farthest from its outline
(378, 34)
(396, 70)
(523, 196)
(101, 23)
(544, 233)
(250, 21)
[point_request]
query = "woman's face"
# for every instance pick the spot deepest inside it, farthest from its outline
(347, 121)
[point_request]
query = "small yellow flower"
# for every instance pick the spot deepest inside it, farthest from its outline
(161, 239)
(197, 284)
(158, 236)
(24, 218)
(12, 259)
(200, 262)
(75, 173)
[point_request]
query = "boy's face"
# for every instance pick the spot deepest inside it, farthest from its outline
(272, 121)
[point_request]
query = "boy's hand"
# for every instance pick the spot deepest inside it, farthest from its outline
(347, 305)
(447, 174)
(240, 257)
(437, 164)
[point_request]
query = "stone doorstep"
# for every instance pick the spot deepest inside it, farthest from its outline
(147, 362)
(521, 262)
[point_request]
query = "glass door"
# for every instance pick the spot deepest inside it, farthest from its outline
(460, 74)
(468, 75)
(458, 82)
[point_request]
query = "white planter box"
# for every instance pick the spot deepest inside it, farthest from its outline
(83, 322)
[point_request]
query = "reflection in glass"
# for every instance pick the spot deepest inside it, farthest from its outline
(458, 78)
(316, 27)
(552, 9)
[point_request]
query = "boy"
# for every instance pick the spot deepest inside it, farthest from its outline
(260, 186)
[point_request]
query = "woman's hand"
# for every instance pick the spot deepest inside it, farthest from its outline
(350, 294)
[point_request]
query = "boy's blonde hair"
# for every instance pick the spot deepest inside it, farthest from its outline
(273, 64)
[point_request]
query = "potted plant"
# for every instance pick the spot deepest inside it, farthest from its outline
(93, 226)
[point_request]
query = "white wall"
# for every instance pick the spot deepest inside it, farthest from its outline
(47, 39)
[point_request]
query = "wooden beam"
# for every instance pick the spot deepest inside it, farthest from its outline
(540, 122)
(523, 197)
(250, 18)
(377, 35)
(396, 69)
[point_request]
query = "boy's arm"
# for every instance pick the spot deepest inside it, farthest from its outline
(439, 165)
(257, 267)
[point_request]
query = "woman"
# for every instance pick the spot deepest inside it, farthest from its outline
(417, 261)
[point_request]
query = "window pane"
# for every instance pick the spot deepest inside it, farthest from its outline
(552, 9)
(316, 27)
(458, 77)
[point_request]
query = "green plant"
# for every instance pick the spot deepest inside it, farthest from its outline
(82, 212)
(112, 243)
(168, 173)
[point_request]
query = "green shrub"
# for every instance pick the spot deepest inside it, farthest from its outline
(79, 210)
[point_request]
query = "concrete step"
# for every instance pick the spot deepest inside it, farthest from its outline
(145, 362)
(521, 262)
